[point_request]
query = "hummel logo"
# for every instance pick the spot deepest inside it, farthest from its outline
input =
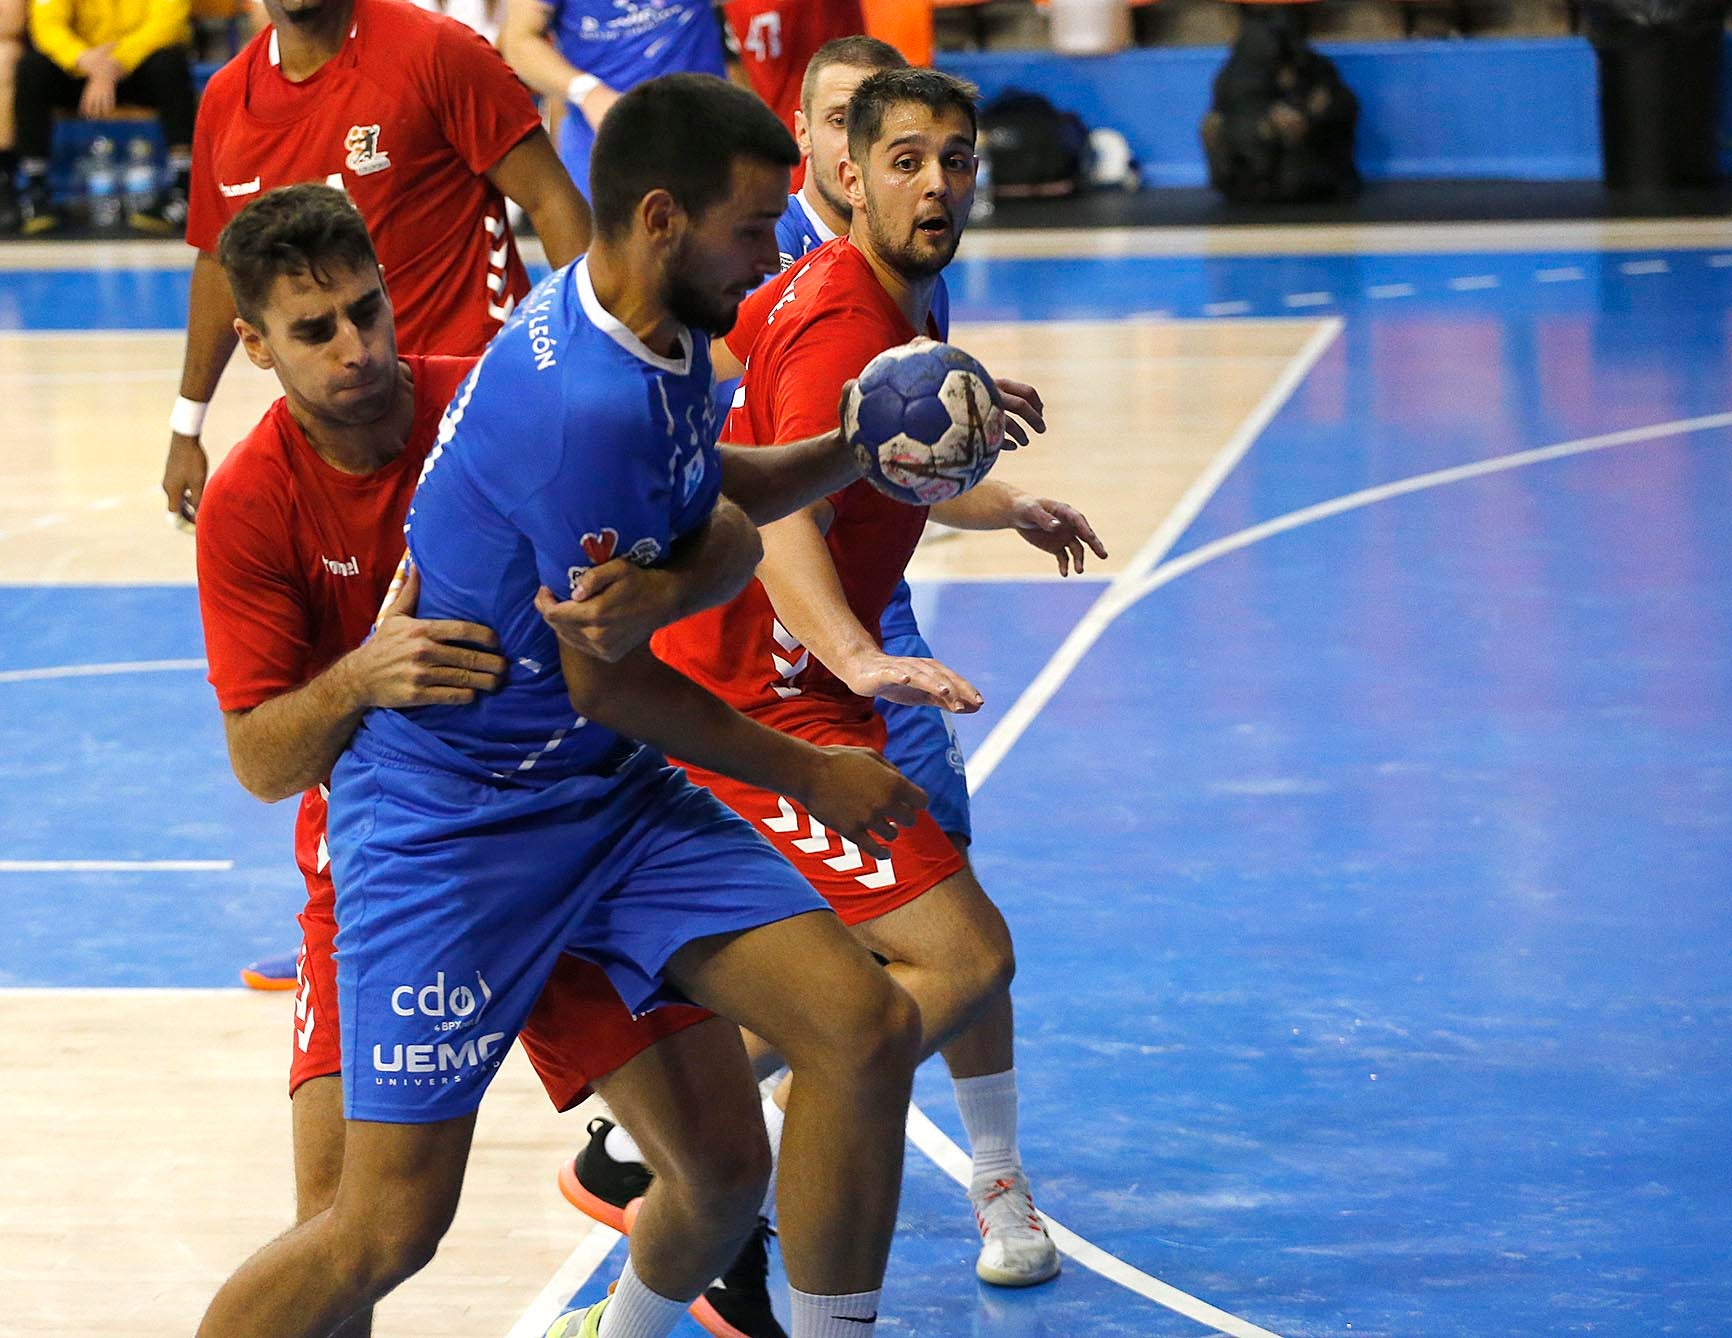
(245, 188)
(337, 568)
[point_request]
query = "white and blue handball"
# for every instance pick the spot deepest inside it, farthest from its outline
(926, 422)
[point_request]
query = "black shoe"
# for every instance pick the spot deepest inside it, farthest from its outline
(740, 1298)
(597, 1185)
(36, 208)
(165, 216)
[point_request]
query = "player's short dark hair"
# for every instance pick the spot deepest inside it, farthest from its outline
(306, 229)
(680, 133)
(878, 93)
(857, 53)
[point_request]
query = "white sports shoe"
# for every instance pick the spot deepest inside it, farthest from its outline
(1015, 1250)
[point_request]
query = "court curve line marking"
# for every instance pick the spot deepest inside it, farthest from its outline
(60, 671)
(925, 1135)
(1132, 585)
(116, 865)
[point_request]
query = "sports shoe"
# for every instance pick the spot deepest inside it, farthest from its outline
(599, 1186)
(165, 216)
(585, 1323)
(270, 973)
(1015, 1250)
(36, 208)
(738, 1302)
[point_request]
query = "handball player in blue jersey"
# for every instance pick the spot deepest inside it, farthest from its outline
(586, 53)
(474, 843)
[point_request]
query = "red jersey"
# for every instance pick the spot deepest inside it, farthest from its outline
(802, 335)
(778, 38)
(294, 557)
(406, 118)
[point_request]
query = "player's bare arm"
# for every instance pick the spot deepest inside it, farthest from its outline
(289, 743)
(532, 175)
(771, 482)
(1052, 526)
(527, 48)
(614, 608)
(210, 341)
(852, 791)
(800, 578)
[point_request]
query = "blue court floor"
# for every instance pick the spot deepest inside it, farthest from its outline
(1369, 870)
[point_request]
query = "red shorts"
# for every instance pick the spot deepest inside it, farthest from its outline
(577, 1032)
(857, 886)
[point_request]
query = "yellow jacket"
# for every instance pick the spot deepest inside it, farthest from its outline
(63, 30)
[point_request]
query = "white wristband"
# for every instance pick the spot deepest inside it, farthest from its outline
(580, 87)
(186, 419)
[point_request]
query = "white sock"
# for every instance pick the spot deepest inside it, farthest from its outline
(774, 1117)
(988, 1108)
(852, 1316)
(620, 1145)
(637, 1312)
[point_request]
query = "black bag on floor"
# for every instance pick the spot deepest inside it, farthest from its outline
(1035, 149)
(1280, 124)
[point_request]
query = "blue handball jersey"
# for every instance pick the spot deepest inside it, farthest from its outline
(624, 43)
(569, 443)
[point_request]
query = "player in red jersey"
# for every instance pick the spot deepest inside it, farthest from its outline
(301, 530)
(777, 38)
(799, 648)
(426, 128)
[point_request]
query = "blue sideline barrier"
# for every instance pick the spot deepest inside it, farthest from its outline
(1512, 108)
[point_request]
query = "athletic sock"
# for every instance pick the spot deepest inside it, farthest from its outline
(852, 1316)
(621, 1146)
(637, 1312)
(988, 1108)
(774, 1117)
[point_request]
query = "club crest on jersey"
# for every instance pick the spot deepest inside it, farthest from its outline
(365, 156)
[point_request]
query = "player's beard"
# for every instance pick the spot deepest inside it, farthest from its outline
(691, 305)
(911, 254)
(827, 190)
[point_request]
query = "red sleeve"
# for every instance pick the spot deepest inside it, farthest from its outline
(809, 376)
(749, 322)
(256, 625)
(437, 377)
(205, 215)
(479, 104)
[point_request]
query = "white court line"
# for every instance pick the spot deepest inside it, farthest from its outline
(955, 1163)
(116, 865)
(1132, 584)
(1023, 711)
(57, 671)
(550, 1303)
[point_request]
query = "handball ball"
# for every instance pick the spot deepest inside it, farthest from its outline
(926, 422)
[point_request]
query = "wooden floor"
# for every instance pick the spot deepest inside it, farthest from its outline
(146, 1155)
(1137, 411)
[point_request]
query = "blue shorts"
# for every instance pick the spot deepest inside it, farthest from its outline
(457, 893)
(922, 743)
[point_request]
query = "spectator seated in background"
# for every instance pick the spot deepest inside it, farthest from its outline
(94, 55)
(1280, 127)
